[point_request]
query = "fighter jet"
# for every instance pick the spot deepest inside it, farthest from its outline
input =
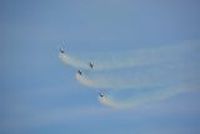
(63, 47)
(61, 50)
(91, 65)
(79, 72)
(101, 93)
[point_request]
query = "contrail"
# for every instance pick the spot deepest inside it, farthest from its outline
(116, 60)
(144, 98)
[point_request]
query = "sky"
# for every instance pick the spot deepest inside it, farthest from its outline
(39, 94)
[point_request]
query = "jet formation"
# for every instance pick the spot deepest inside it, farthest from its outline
(101, 92)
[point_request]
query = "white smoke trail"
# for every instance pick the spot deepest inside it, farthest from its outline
(74, 62)
(150, 76)
(150, 68)
(117, 60)
(115, 83)
(155, 95)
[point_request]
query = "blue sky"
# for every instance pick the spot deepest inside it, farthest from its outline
(41, 95)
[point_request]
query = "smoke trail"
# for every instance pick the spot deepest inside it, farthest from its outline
(112, 82)
(117, 60)
(137, 78)
(74, 62)
(175, 67)
(144, 98)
